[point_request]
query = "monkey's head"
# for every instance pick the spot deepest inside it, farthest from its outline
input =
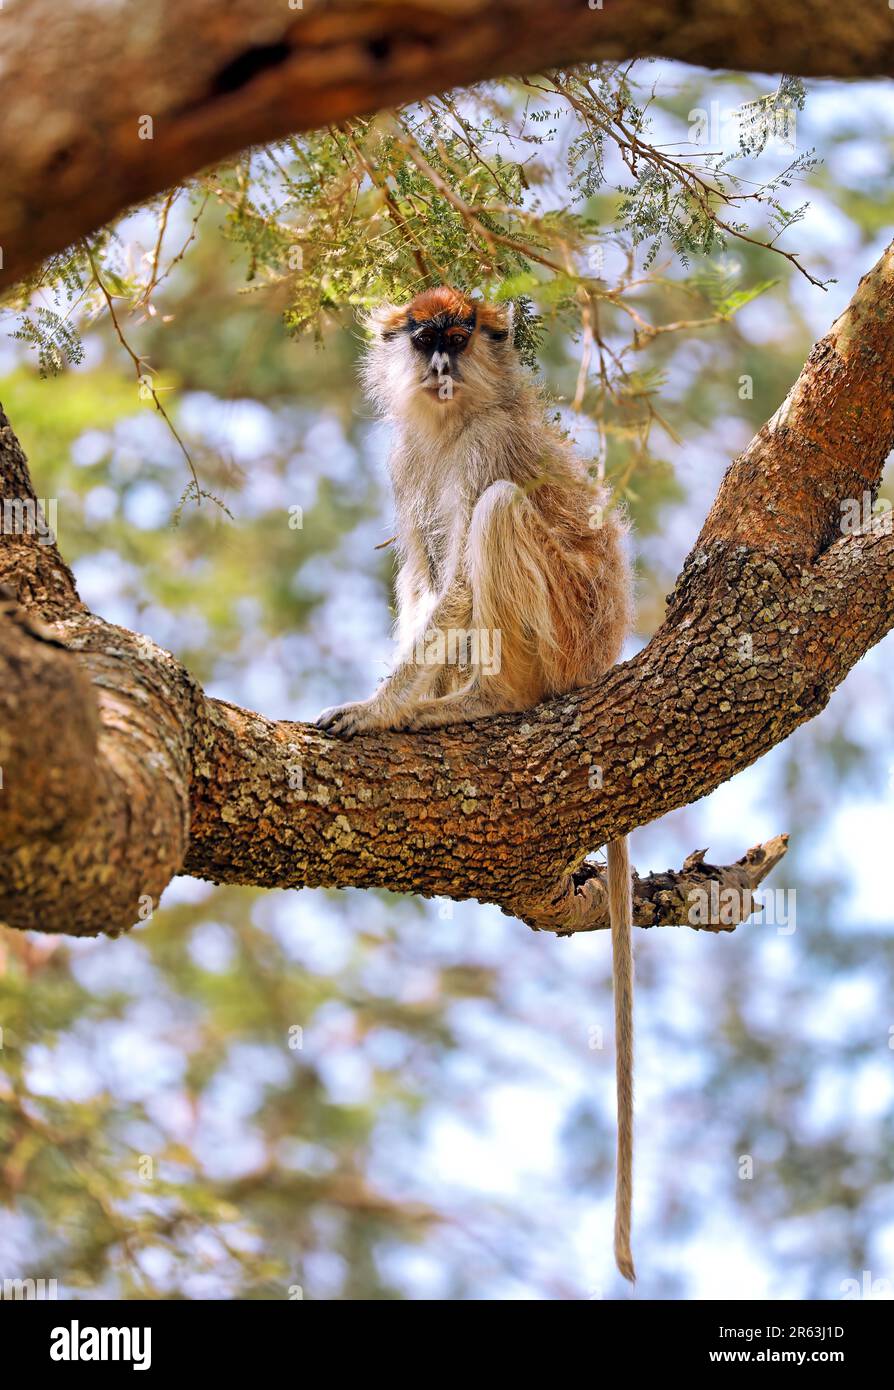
(439, 357)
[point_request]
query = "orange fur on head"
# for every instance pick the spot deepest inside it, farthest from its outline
(441, 300)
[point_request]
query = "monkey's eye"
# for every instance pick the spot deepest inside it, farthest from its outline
(457, 339)
(425, 340)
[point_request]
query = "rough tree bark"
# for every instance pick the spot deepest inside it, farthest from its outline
(119, 772)
(77, 80)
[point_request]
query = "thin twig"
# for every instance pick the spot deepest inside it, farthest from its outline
(156, 255)
(138, 365)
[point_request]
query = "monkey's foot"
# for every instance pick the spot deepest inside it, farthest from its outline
(407, 716)
(364, 717)
(359, 717)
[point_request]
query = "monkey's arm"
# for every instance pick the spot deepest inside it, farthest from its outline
(416, 597)
(397, 701)
(418, 673)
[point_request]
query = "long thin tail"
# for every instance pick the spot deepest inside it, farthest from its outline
(620, 903)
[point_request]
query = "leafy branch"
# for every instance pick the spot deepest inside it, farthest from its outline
(467, 188)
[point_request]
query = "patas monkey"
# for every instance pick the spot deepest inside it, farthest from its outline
(513, 583)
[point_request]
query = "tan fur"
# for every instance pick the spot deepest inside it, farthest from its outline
(501, 533)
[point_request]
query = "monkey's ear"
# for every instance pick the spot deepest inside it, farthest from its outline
(384, 321)
(496, 321)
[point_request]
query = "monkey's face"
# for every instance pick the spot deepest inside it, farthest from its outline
(441, 355)
(439, 342)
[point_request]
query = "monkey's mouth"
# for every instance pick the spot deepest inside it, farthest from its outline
(443, 390)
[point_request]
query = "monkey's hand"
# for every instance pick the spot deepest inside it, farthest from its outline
(363, 716)
(368, 716)
(359, 717)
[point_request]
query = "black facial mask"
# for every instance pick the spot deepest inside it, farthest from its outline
(444, 335)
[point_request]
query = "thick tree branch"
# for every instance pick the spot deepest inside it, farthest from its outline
(827, 442)
(756, 637)
(94, 804)
(78, 81)
(46, 786)
(94, 740)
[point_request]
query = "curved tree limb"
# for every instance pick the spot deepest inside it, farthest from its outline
(759, 630)
(824, 443)
(78, 81)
